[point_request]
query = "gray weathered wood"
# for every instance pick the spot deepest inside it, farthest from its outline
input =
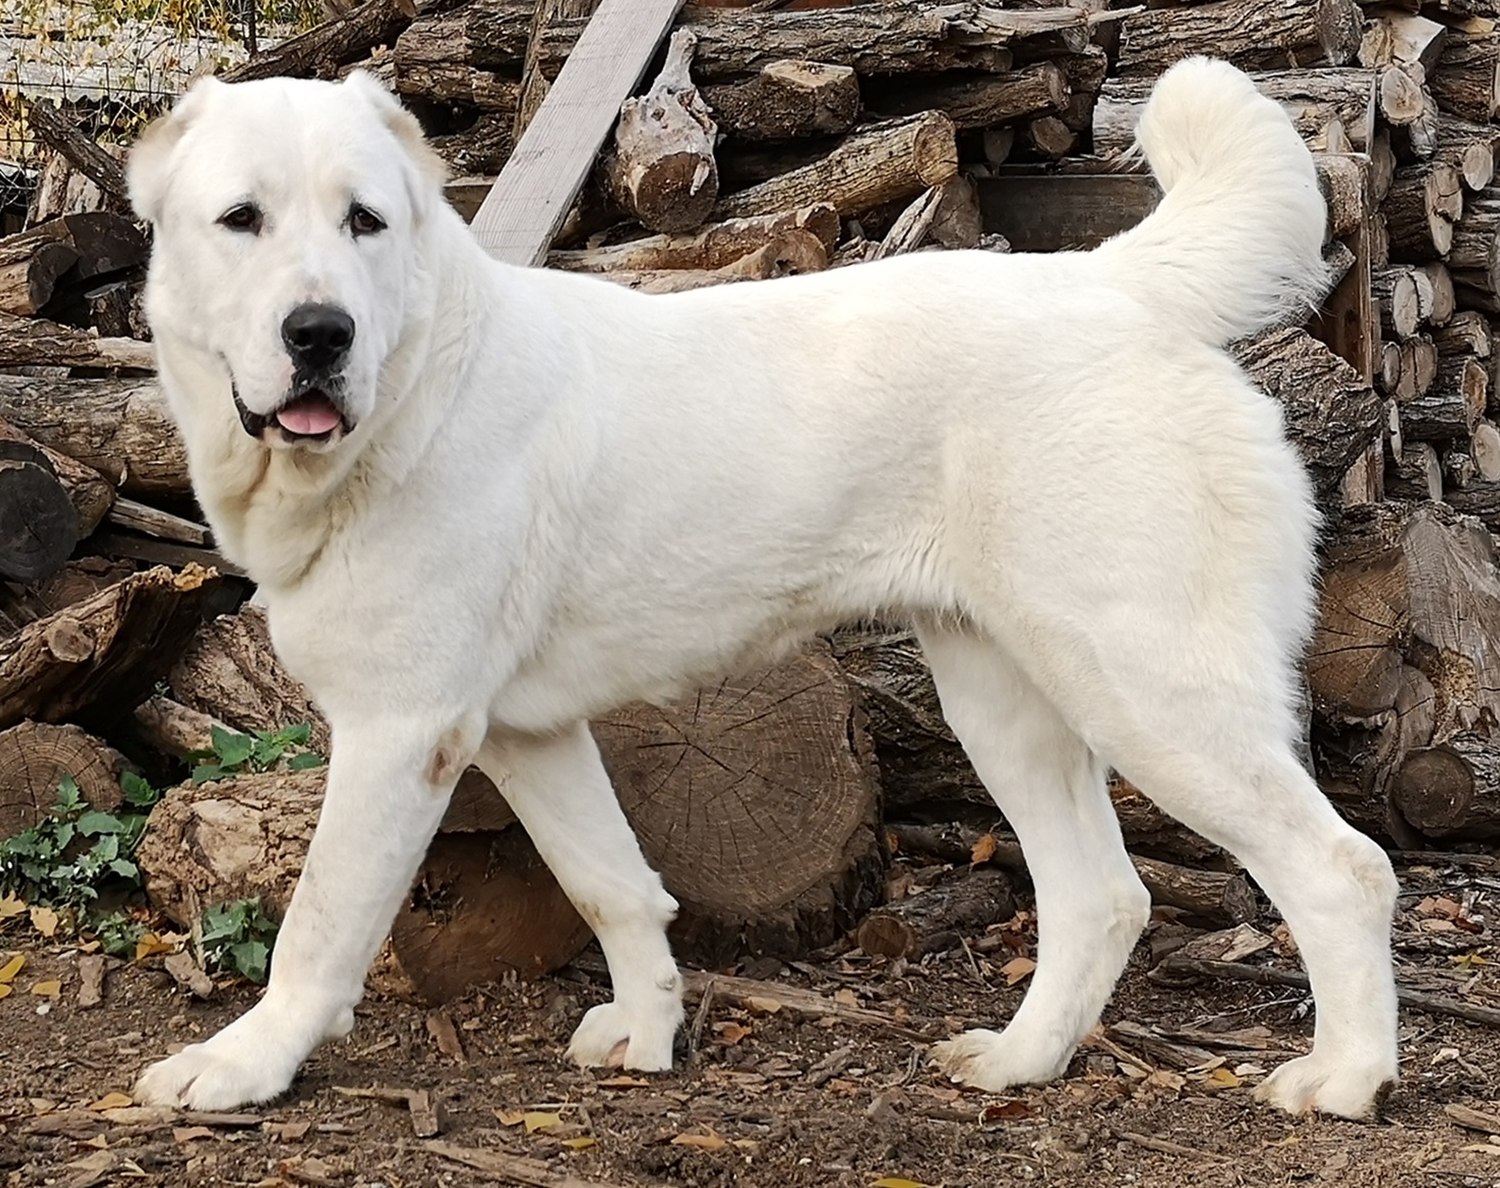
(534, 191)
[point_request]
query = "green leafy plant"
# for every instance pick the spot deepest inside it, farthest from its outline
(65, 858)
(237, 938)
(233, 752)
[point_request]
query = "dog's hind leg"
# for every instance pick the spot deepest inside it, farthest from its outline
(1091, 906)
(559, 789)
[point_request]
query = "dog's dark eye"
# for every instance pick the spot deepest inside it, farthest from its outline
(245, 217)
(364, 221)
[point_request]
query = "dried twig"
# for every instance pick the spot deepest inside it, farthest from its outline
(80, 150)
(1236, 971)
(1167, 1146)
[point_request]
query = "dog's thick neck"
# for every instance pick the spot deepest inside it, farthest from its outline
(274, 511)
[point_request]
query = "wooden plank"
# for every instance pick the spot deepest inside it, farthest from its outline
(532, 195)
(1062, 212)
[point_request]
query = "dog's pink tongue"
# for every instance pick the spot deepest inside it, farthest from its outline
(310, 415)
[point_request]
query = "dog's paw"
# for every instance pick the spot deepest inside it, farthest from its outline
(996, 1060)
(1317, 1084)
(610, 1038)
(214, 1075)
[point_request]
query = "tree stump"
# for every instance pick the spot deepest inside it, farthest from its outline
(756, 801)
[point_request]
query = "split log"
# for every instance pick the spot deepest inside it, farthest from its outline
(1085, 74)
(756, 799)
(1396, 291)
(119, 427)
(36, 341)
(323, 49)
(30, 266)
(62, 134)
(1466, 81)
(789, 254)
(661, 169)
(35, 758)
(1452, 791)
(1408, 631)
(874, 39)
(1437, 296)
(1404, 39)
(100, 657)
(1484, 448)
(882, 163)
(1318, 102)
(1423, 204)
(934, 918)
(1415, 474)
(948, 215)
(1330, 413)
(712, 246)
(977, 101)
(1050, 138)
(1365, 481)
(77, 580)
(142, 517)
(488, 35)
(1451, 408)
(1417, 139)
(1265, 36)
(787, 99)
(442, 82)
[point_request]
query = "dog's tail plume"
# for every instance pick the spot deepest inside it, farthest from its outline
(1236, 243)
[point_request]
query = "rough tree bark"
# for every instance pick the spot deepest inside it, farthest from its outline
(1265, 36)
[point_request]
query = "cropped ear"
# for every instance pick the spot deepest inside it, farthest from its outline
(148, 168)
(431, 169)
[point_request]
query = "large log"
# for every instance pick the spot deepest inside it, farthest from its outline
(99, 658)
(74, 248)
(873, 39)
(787, 99)
(63, 135)
(1396, 291)
(661, 168)
(713, 246)
(459, 84)
(885, 162)
(1452, 791)
(1265, 36)
(121, 428)
(38, 342)
(756, 799)
(1331, 414)
(35, 521)
(1405, 651)
(323, 49)
(1466, 81)
(35, 758)
(1469, 148)
(1474, 257)
(1424, 203)
(1452, 407)
(978, 100)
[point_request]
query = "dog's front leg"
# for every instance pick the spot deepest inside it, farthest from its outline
(559, 789)
(388, 785)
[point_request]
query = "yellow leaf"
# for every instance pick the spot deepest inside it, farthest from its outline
(846, 996)
(983, 849)
(703, 1142)
(11, 968)
(579, 1144)
(762, 1006)
(44, 920)
(1017, 969)
(47, 989)
(112, 1101)
(510, 1117)
(151, 944)
(5, 989)
(622, 1082)
(10, 907)
(897, 1182)
(1222, 1078)
(535, 1120)
(731, 1033)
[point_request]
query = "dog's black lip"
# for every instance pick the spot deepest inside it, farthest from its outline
(255, 424)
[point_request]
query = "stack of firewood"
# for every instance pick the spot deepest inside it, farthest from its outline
(768, 139)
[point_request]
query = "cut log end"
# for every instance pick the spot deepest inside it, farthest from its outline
(34, 760)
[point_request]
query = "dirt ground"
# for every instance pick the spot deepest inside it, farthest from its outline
(765, 1097)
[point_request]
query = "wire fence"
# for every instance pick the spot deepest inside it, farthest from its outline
(114, 65)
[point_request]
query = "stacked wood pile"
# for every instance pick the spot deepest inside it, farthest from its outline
(770, 139)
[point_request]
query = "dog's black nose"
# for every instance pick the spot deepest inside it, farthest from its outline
(317, 335)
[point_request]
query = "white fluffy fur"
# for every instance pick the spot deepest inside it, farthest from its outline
(560, 495)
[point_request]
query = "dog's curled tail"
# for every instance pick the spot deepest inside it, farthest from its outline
(1237, 240)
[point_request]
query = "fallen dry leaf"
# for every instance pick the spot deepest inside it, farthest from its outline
(186, 1134)
(1005, 1110)
(91, 975)
(11, 968)
(287, 1132)
(762, 1006)
(896, 1182)
(445, 1035)
(185, 973)
(112, 1101)
(151, 944)
(579, 1144)
(846, 996)
(703, 1142)
(622, 1082)
(45, 921)
(11, 906)
(983, 849)
(731, 1033)
(1018, 969)
(1222, 1078)
(49, 989)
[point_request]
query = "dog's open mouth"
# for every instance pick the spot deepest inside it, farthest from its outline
(310, 415)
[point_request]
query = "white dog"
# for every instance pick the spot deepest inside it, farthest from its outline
(486, 503)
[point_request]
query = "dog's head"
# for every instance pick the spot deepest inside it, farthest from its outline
(286, 216)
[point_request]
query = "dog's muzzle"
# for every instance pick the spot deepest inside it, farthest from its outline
(314, 410)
